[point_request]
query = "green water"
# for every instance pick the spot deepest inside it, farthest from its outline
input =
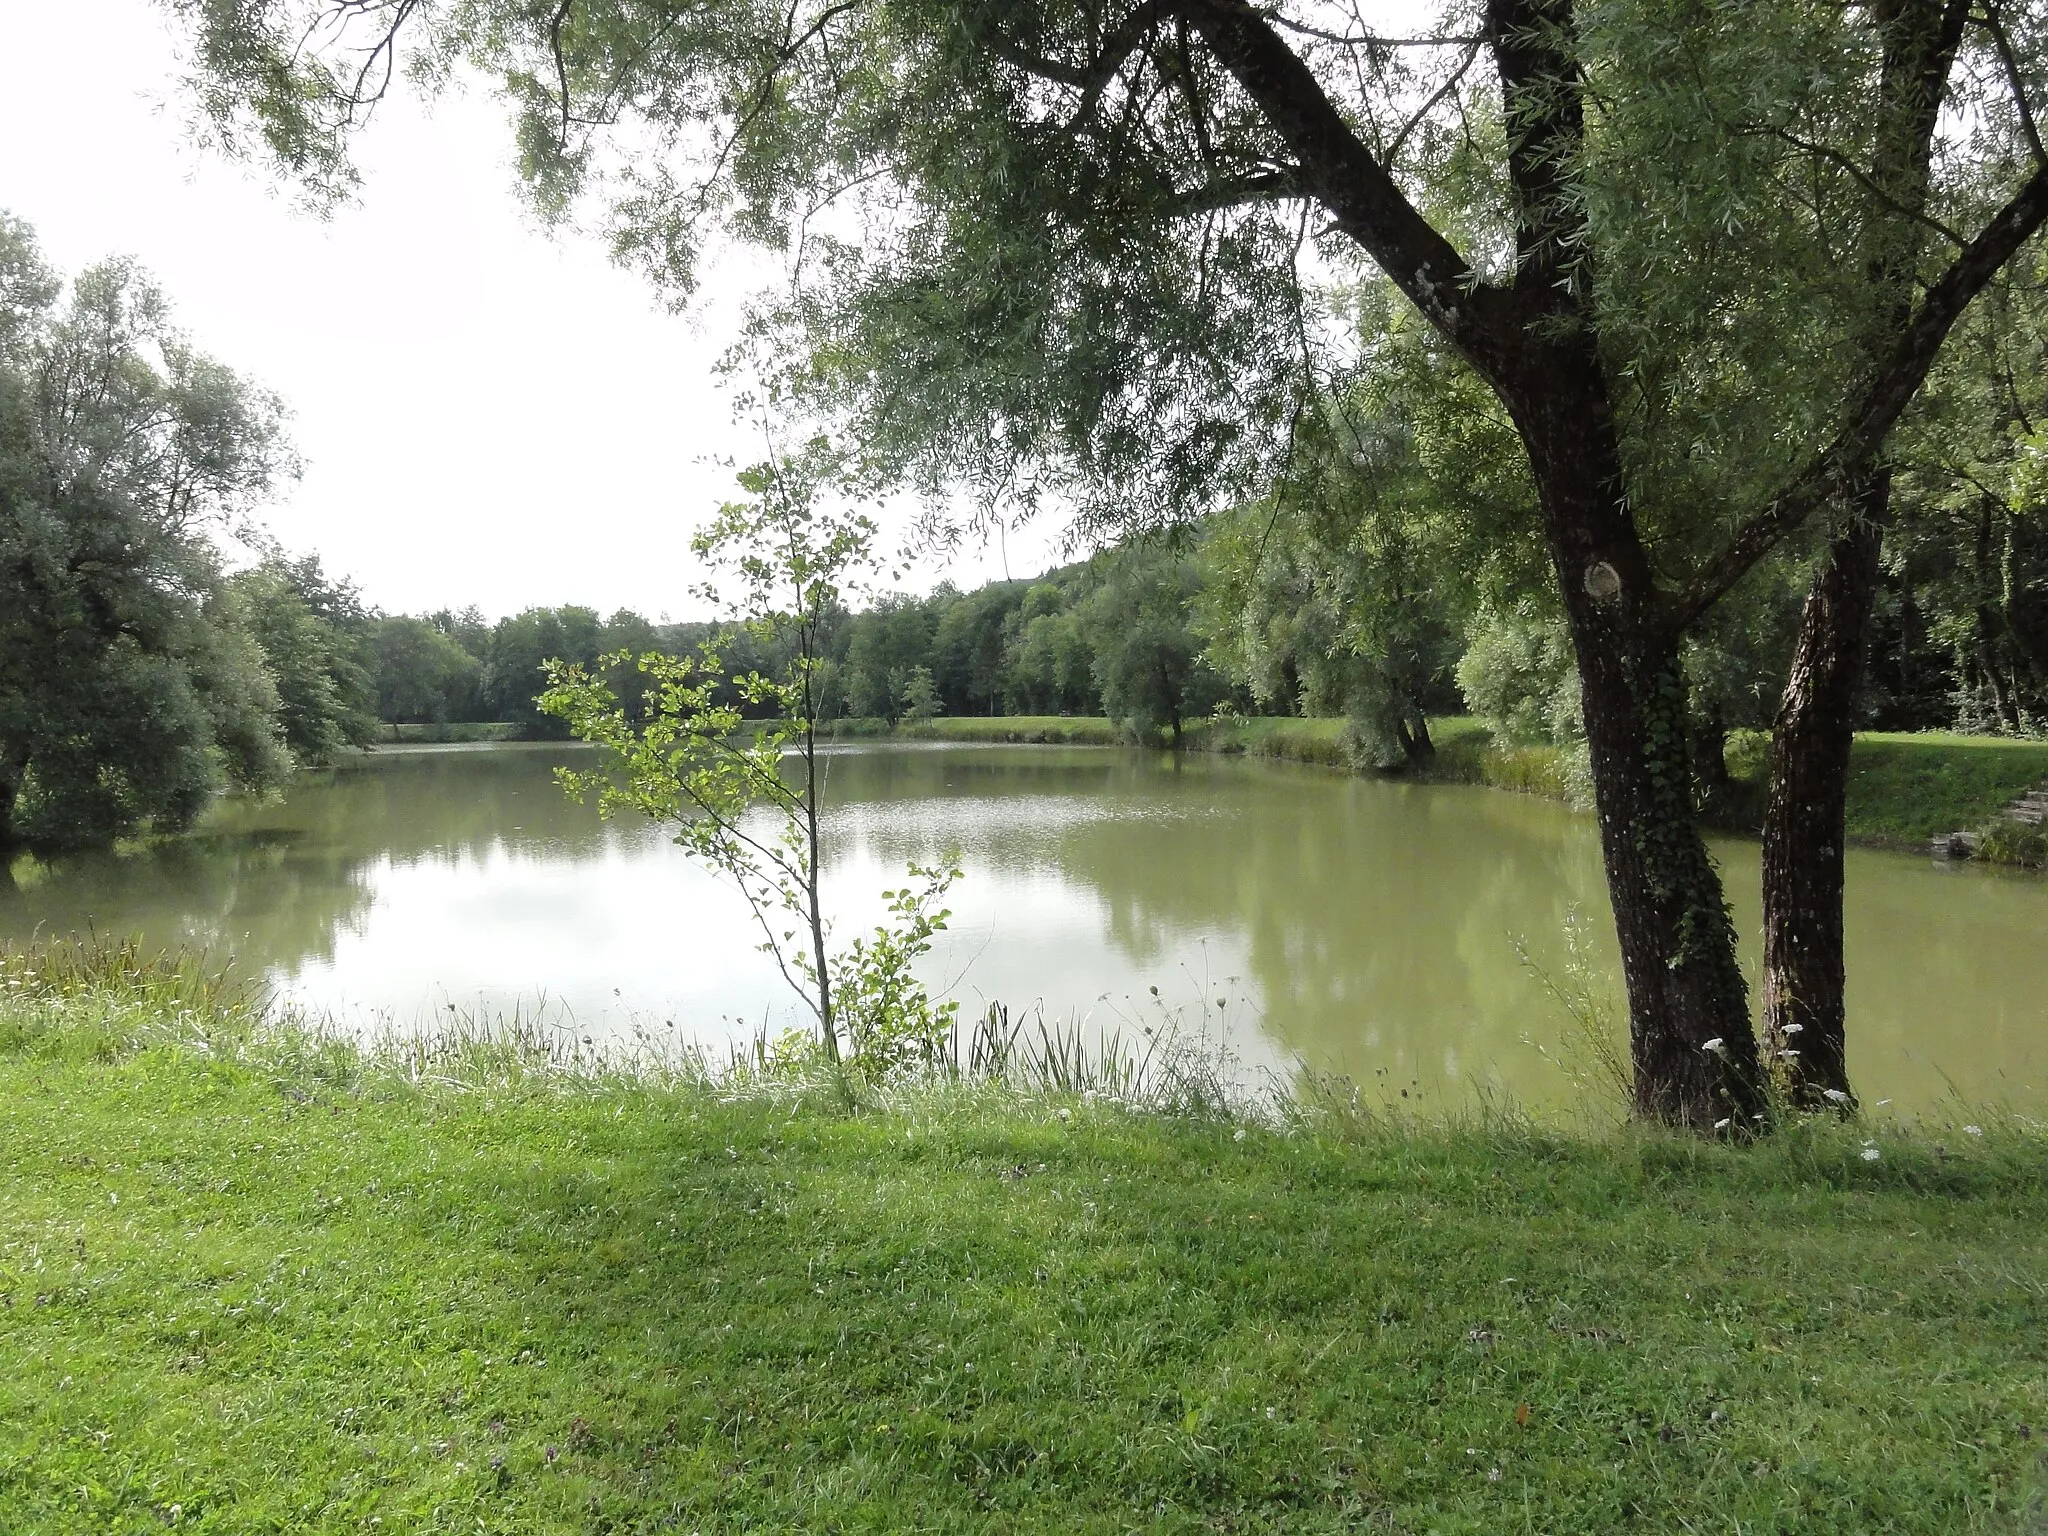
(1408, 936)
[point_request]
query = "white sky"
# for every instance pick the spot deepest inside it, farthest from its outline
(488, 414)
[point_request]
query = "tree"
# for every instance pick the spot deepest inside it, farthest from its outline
(1083, 267)
(1963, 617)
(1148, 660)
(313, 636)
(1880, 223)
(1049, 659)
(881, 647)
(1344, 590)
(421, 672)
(129, 689)
(693, 763)
(967, 647)
(626, 633)
(515, 660)
(920, 695)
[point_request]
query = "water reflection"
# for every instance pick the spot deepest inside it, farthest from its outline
(1362, 927)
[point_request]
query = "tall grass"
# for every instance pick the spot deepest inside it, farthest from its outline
(107, 999)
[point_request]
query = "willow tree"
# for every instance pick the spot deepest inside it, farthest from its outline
(1074, 247)
(130, 687)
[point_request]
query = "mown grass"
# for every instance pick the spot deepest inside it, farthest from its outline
(256, 1282)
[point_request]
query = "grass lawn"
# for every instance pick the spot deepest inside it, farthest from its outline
(269, 1289)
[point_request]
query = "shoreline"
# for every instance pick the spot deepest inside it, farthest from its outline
(1905, 788)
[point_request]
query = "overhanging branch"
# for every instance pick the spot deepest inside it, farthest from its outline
(1238, 192)
(1339, 171)
(1873, 415)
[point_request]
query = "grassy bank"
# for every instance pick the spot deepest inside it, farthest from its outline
(1055, 730)
(449, 731)
(1903, 789)
(1909, 788)
(250, 1286)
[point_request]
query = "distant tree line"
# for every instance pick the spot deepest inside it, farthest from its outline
(1116, 635)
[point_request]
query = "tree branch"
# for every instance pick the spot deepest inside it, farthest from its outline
(1994, 23)
(1236, 192)
(1369, 39)
(1339, 171)
(1890, 391)
(1093, 78)
(1429, 106)
(1864, 179)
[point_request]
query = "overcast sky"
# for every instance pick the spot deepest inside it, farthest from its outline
(488, 414)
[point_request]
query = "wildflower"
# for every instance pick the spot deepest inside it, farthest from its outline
(1238, 1134)
(1721, 1125)
(1834, 1095)
(1973, 1130)
(1792, 1029)
(1065, 1115)
(1871, 1154)
(1714, 1044)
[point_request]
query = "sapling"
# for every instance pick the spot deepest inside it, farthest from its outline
(728, 756)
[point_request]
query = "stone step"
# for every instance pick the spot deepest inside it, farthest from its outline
(2029, 809)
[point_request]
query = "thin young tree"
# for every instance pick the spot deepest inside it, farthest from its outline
(731, 761)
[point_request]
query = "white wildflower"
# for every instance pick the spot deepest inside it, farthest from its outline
(1720, 1125)
(1871, 1154)
(1714, 1044)
(1834, 1095)
(1973, 1130)
(1792, 1029)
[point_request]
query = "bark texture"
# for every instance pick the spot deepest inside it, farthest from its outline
(1692, 1048)
(1805, 815)
(1806, 812)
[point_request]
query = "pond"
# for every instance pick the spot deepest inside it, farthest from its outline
(1412, 937)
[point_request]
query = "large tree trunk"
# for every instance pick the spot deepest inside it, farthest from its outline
(1805, 817)
(1690, 1039)
(13, 768)
(1416, 745)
